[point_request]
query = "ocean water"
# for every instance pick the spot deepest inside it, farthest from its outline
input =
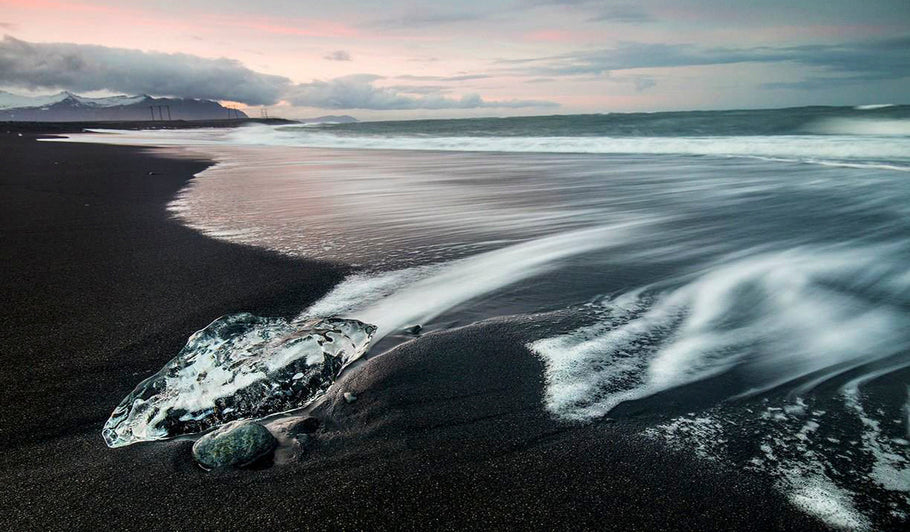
(738, 282)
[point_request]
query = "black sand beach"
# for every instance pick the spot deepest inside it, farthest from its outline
(100, 288)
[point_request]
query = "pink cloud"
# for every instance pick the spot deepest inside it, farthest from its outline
(284, 26)
(55, 6)
(551, 36)
(321, 30)
(148, 17)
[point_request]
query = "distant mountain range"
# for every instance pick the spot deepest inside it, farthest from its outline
(69, 107)
(329, 119)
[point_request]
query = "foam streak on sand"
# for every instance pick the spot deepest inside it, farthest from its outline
(786, 320)
(393, 300)
(775, 318)
(240, 364)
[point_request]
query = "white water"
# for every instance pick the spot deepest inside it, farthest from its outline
(848, 141)
(775, 317)
(813, 456)
(719, 258)
(845, 147)
(863, 126)
(394, 300)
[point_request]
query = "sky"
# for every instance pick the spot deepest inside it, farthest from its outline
(403, 59)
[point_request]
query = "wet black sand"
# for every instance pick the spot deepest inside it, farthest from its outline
(100, 288)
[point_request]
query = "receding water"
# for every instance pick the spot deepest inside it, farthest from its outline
(746, 292)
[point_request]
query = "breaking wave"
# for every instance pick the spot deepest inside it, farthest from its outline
(862, 126)
(852, 142)
(804, 148)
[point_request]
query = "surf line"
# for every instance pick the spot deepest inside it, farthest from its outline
(397, 299)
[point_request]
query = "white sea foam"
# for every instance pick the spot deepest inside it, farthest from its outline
(857, 142)
(817, 495)
(830, 149)
(798, 318)
(771, 316)
(593, 369)
(702, 435)
(393, 300)
(891, 469)
(907, 414)
(790, 451)
(361, 289)
(862, 126)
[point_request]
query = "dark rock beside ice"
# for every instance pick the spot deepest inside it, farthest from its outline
(238, 443)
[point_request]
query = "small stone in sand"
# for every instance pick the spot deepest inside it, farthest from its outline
(413, 330)
(238, 443)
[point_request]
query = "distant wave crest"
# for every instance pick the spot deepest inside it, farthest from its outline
(862, 126)
(890, 153)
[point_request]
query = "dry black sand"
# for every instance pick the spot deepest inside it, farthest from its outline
(100, 288)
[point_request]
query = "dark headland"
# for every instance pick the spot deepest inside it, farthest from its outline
(78, 127)
(100, 288)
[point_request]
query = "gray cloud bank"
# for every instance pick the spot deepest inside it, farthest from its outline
(843, 63)
(80, 67)
(338, 55)
(358, 92)
(631, 14)
(420, 19)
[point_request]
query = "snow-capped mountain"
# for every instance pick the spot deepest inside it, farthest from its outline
(68, 107)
